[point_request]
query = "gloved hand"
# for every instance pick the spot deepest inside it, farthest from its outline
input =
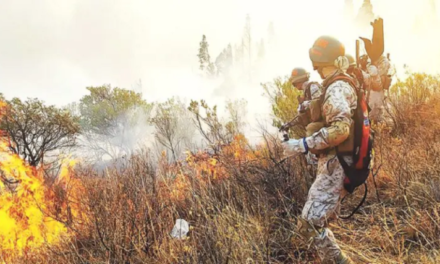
(283, 128)
(302, 107)
(294, 147)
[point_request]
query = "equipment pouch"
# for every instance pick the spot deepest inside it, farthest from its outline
(347, 146)
(315, 110)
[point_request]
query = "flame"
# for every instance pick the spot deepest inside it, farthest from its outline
(28, 223)
(202, 168)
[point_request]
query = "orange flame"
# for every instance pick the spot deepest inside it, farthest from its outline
(206, 169)
(27, 223)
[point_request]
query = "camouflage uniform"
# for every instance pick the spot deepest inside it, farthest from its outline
(374, 81)
(335, 112)
(314, 93)
(323, 198)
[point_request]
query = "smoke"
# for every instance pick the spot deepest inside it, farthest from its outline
(54, 49)
(131, 133)
(412, 30)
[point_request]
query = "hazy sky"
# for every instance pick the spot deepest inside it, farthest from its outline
(54, 49)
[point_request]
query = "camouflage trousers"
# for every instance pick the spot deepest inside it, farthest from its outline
(323, 203)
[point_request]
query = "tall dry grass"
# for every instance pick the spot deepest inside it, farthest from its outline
(242, 203)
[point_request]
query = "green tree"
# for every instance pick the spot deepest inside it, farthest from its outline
(173, 129)
(104, 110)
(284, 99)
(36, 129)
(205, 59)
(218, 132)
(113, 120)
(237, 112)
(203, 55)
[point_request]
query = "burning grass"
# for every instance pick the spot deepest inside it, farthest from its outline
(33, 218)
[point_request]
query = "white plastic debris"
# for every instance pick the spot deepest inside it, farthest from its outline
(180, 229)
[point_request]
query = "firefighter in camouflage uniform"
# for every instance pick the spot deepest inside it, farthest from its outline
(376, 80)
(338, 104)
(301, 125)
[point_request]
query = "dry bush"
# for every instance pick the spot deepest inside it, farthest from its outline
(239, 203)
(242, 203)
(400, 222)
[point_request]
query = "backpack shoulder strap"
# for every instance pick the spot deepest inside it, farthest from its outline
(341, 77)
(335, 78)
(308, 90)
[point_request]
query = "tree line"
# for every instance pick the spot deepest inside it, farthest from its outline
(242, 55)
(110, 121)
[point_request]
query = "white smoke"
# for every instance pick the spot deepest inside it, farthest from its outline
(53, 50)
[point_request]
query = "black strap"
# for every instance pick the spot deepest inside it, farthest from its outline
(341, 159)
(357, 208)
(307, 92)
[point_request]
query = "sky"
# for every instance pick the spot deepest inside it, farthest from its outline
(53, 50)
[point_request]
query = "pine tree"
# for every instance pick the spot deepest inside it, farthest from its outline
(203, 55)
(229, 57)
(261, 50)
(271, 33)
(220, 62)
(238, 53)
(211, 69)
(247, 38)
(243, 53)
(224, 61)
(205, 59)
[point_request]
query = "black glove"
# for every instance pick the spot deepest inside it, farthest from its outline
(284, 128)
(285, 137)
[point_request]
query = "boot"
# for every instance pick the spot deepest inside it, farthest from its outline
(343, 259)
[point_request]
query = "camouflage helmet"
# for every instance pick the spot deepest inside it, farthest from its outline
(299, 75)
(325, 51)
(351, 60)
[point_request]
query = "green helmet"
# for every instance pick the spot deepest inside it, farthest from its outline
(299, 75)
(351, 60)
(325, 51)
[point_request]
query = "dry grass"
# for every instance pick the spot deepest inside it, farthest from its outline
(242, 204)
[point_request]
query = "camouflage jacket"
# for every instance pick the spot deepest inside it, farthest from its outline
(312, 91)
(374, 77)
(338, 107)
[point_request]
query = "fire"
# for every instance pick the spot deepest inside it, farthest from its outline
(28, 207)
(206, 168)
